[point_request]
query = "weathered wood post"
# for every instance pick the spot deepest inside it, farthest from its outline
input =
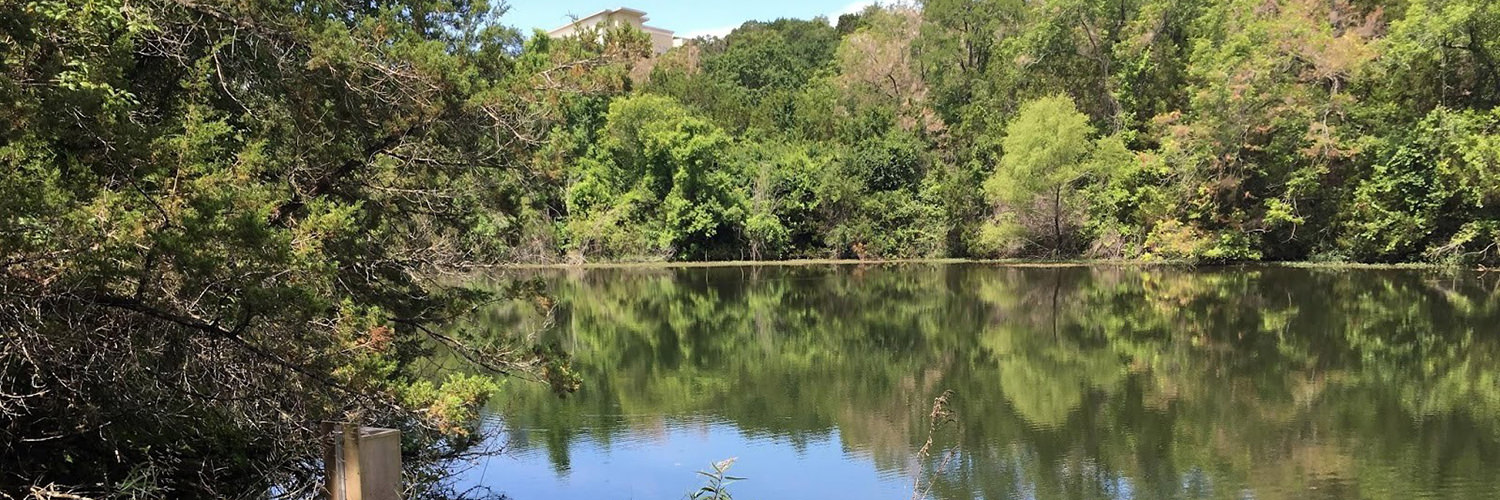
(363, 463)
(332, 486)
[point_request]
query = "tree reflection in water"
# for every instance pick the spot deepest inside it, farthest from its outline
(1070, 382)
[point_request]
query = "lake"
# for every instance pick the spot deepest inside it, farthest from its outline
(1071, 382)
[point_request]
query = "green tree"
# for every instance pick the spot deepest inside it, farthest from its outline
(782, 54)
(1433, 194)
(1443, 53)
(875, 203)
(218, 224)
(750, 78)
(657, 184)
(1046, 151)
(957, 48)
(781, 197)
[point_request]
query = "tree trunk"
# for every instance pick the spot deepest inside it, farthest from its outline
(1057, 221)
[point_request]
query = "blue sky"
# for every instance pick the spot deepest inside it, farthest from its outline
(688, 18)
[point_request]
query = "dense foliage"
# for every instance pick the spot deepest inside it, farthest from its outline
(220, 223)
(1174, 129)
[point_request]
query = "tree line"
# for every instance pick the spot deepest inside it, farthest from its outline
(1341, 130)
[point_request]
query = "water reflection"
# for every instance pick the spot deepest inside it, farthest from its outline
(1070, 382)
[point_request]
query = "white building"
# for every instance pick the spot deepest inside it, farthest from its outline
(661, 40)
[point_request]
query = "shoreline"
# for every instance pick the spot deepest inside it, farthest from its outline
(1020, 263)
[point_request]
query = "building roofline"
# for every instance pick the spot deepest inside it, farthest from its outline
(644, 18)
(604, 12)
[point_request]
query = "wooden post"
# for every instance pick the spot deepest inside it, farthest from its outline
(379, 464)
(332, 486)
(353, 481)
(363, 464)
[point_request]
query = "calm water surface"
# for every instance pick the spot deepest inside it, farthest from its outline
(1068, 383)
